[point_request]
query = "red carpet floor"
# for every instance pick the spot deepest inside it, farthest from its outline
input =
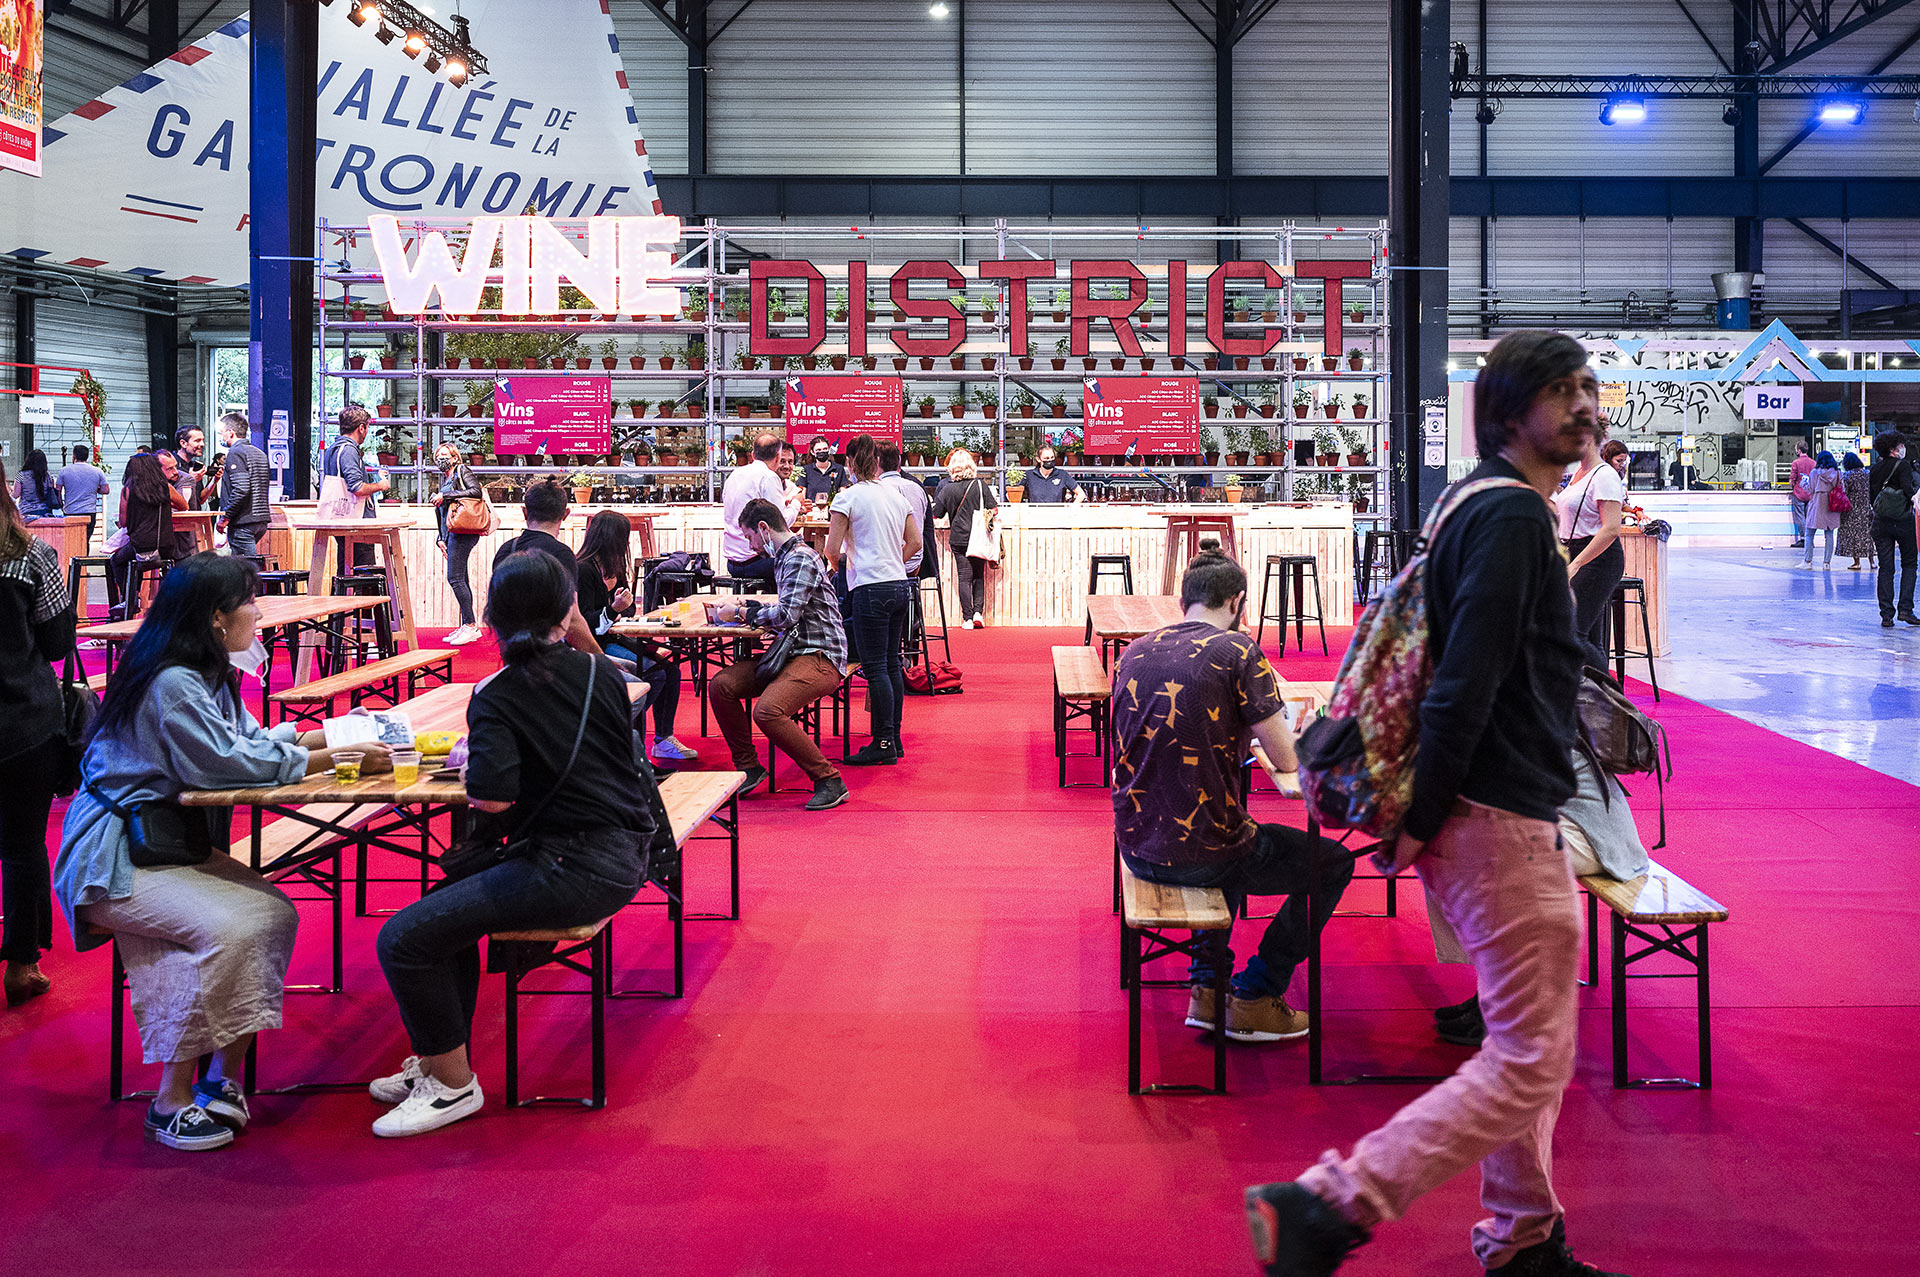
(909, 1056)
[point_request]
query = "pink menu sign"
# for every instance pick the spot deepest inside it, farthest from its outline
(552, 414)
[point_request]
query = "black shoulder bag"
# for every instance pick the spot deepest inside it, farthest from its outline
(472, 855)
(162, 834)
(78, 705)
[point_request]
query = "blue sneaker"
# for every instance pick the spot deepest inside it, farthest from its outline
(669, 749)
(224, 1102)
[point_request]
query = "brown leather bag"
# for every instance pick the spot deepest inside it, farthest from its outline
(471, 516)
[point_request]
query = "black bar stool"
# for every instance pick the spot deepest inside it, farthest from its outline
(919, 634)
(1637, 587)
(1300, 566)
(139, 569)
(1384, 551)
(79, 568)
(365, 581)
(1114, 565)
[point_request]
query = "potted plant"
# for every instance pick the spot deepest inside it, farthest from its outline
(1237, 445)
(777, 306)
(1211, 362)
(356, 361)
(1211, 404)
(1016, 484)
(809, 361)
(837, 309)
(957, 400)
(1359, 405)
(1025, 402)
(986, 363)
(1210, 447)
(1119, 362)
(697, 304)
(1302, 400)
(389, 360)
(1334, 404)
(1026, 360)
(694, 452)
(1356, 313)
(1299, 363)
(637, 407)
(1062, 299)
(1061, 349)
(696, 355)
(1231, 486)
(899, 363)
(529, 361)
(581, 481)
(1326, 449)
(557, 362)
(1089, 363)
(926, 405)
(989, 401)
(1146, 361)
(1329, 363)
(746, 362)
(1269, 398)
(1356, 448)
(1356, 358)
(1239, 406)
(636, 361)
(607, 359)
(988, 307)
(1260, 446)
(1358, 489)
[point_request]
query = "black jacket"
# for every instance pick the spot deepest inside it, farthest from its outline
(1892, 472)
(245, 490)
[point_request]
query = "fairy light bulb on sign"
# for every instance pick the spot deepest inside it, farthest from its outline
(621, 269)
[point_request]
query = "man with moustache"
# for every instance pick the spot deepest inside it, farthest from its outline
(1496, 726)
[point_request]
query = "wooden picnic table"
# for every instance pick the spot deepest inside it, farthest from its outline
(385, 533)
(1118, 619)
(200, 523)
(306, 615)
(699, 644)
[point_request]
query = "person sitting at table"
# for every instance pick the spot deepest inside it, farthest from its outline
(147, 502)
(872, 532)
(35, 494)
(605, 596)
(36, 628)
(809, 610)
(755, 481)
(795, 502)
(964, 500)
(577, 827)
(822, 481)
(205, 945)
(545, 515)
(1049, 485)
(1189, 699)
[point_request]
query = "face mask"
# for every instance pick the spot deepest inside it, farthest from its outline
(250, 661)
(821, 458)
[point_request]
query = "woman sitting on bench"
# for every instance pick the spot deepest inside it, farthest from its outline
(562, 827)
(205, 943)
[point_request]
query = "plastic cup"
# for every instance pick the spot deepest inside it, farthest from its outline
(406, 767)
(346, 766)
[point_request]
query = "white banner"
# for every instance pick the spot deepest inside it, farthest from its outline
(151, 177)
(1773, 402)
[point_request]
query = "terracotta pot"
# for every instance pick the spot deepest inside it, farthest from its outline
(356, 361)
(958, 410)
(530, 362)
(385, 409)
(986, 363)
(449, 410)
(636, 362)
(1210, 458)
(926, 410)
(1329, 364)
(899, 316)
(1356, 458)
(387, 458)
(1300, 410)
(1356, 314)
(1332, 411)
(1026, 410)
(1089, 363)
(1299, 363)
(1362, 503)
(558, 362)
(389, 362)
(869, 313)
(926, 363)
(666, 363)
(1267, 362)
(809, 362)
(582, 495)
(1146, 317)
(1360, 408)
(476, 410)
(1299, 316)
(1237, 459)
(987, 316)
(1211, 363)
(357, 316)
(1212, 409)
(583, 362)
(664, 410)
(636, 410)
(778, 316)
(1026, 363)
(1060, 364)
(899, 363)
(1240, 363)
(1233, 494)
(1016, 495)
(1059, 316)
(1239, 410)
(1118, 362)
(1267, 409)
(1354, 362)
(697, 363)
(476, 458)
(957, 361)
(1059, 409)
(1326, 458)
(1146, 362)
(452, 362)
(839, 363)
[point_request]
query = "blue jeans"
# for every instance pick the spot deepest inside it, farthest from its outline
(430, 951)
(878, 631)
(1276, 866)
(244, 539)
(663, 688)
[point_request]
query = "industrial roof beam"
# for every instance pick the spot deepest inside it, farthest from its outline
(1872, 85)
(1846, 257)
(1705, 38)
(1791, 31)
(1807, 130)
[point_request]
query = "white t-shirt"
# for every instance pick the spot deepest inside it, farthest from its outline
(756, 479)
(1578, 504)
(877, 518)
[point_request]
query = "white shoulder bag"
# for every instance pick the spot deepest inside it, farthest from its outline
(984, 542)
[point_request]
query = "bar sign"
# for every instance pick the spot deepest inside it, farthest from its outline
(1774, 402)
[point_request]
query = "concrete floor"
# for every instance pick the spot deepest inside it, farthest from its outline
(1798, 652)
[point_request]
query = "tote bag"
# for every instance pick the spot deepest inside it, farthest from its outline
(984, 543)
(335, 501)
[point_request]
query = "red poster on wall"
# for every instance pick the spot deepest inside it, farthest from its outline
(552, 414)
(839, 408)
(1143, 416)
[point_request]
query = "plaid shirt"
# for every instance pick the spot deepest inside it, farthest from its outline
(39, 570)
(808, 603)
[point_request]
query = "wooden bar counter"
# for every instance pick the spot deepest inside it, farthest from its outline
(1041, 580)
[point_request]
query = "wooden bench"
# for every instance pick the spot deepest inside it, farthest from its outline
(1157, 921)
(312, 702)
(1082, 691)
(1682, 913)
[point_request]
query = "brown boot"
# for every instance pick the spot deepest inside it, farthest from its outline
(24, 982)
(1264, 1020)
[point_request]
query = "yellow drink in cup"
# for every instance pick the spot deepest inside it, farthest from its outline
(406, 767)
(346, 766)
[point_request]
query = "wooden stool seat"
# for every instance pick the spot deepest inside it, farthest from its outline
(1156, 921)
(1082, 691)
(1682, 913)
(1184, 534)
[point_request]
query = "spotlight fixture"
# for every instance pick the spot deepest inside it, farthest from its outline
(1730, 114)
(1623, 110)
(1841, 111)
(1486, 112)
(456, 71)
(431, 62)
(416, 44)
(423, 38)
(937, 10)
(361, 14)
(385, 34)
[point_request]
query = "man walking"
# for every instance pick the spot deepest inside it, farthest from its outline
(345, 459)
(1188, 700)
(1491, 772)
(1892, 471)
(245, 508)
(755, 481)
(81, 485)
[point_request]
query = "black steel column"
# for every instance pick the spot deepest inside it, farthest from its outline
(163, 329)
(1418, 208)
(1749, 233)
(285, 41)
(24, 346)
(695, 24)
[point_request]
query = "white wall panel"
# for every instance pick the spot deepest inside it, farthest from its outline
(1797, 267)
(79, 71)
(1310, 90)
(1614, 255)
(656, 65)
(1626, 37)
(112, 344)
(853, 86)
(1085, 86)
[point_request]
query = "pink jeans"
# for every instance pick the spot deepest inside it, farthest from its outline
(1502, 883)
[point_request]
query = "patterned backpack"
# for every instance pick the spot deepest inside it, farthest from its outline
(1356, 762)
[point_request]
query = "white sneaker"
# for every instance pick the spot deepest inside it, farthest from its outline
(967, 624)
(978, 623)
(428, 1107)
(670, 748)
(463, 636)
(395, 1087)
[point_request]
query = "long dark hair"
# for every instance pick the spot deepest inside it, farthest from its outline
(37, 467)
(145, 481)
(179, 631)
(528, 595)
(14, 537)
(605, 546)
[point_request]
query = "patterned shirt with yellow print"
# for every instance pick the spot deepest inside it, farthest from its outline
(1185, 699)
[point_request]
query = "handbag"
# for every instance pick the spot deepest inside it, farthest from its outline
(471, 516)
(78, 705)
(1892, 503)
(984, 542)
(163, 834)
(472, 855)
(767, 667)
(935, 678)
(1838, 502)
(335, 501)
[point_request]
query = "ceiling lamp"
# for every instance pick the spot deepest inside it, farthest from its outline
(937, 10)
(1623, 110)
(456, 71)
(361, 14)
(416, 44)
(1841, 111)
